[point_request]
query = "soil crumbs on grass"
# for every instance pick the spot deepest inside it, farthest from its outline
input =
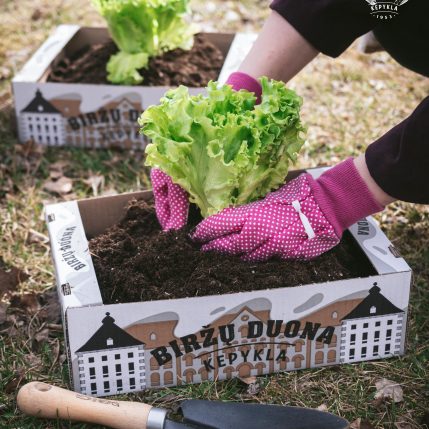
(136, 261)
(193, 68)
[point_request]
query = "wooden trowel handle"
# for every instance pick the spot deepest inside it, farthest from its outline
(43, 400)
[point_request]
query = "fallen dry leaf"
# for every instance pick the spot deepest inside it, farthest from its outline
(56, 170)
(95, 182)
(253, 385)
(322, 407)
(42, 335)
(248, 380)
(3, 309)
(5, 73)
(55, 174)
(361, 424)
(55, 327)
(36, 15)
(253, 389)
(70, 197)
(33, 360)
(62, 186)
(10, 278)
(403, 425)
(107, 192)
(28, 302)
(35, 237)
(387, 389)
(13, 331)
(51, 310)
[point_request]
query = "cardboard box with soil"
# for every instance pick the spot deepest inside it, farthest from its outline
(162, 295)
(135, 261)
(64, 86)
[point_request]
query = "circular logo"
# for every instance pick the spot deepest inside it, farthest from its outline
(386, 9)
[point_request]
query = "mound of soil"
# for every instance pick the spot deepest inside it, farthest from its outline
(135, 261)
(194, 68)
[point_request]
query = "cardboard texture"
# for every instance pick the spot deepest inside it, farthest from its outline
(89, 115)
(133, 346)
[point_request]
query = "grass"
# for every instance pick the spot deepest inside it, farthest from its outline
(349, 102)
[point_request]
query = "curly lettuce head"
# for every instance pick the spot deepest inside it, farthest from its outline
(222, 148)
(142, 29)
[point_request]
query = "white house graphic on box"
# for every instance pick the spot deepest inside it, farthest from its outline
(111, 361)
(42, 122)
(372, 330)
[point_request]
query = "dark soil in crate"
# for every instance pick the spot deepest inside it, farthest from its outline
(135, 261)
(193, 68)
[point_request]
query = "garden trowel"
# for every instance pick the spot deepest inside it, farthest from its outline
(43, 400)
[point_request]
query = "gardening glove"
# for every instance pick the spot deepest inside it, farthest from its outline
(171, 201)
(301, 220)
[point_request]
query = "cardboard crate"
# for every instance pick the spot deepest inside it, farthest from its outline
(90, 115)
(133, 346)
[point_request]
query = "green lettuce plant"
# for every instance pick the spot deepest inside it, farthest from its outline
(142, 29)
(222, 148)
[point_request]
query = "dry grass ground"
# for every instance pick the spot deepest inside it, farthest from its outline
(349, 102)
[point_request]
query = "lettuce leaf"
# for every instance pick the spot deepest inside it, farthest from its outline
(142, 29)
(122, 67)
(222, 148)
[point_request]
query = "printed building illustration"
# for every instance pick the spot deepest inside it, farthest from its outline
(242, 357)
(111, 361)
(42, 122)
(372, 330)
(246, 356)
(242, 343)
(60, 121)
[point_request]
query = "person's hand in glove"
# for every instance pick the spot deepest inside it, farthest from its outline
(171, 201)
(301, 220)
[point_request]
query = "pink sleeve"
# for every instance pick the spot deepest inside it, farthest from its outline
(343, 196)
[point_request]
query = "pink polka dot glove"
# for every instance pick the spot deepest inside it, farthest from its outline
(171, 201)
(301, 220)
